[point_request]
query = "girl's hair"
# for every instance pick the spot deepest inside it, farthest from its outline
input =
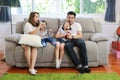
(64, 28)
(31, 19)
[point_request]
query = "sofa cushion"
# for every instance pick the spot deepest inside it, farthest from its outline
(86, 36)
(13, 38)
(99, 37)
(20, 57)
(92, 51)
(19, 27)
(48, 54)
(87, 24)
(51, 23)
(31, 40)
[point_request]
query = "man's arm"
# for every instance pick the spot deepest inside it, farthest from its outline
(78, 36)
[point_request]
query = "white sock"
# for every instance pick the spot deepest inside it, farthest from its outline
(79, 66)
(86, 66)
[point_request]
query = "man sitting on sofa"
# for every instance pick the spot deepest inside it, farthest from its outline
(75, 39)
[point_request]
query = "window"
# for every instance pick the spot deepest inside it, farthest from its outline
(93, 6)
(60, 6)
(45, 6)
(68, 5)
(26, 7)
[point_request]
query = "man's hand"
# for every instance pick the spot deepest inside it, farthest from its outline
(69, 36)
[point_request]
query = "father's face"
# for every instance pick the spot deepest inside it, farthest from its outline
(70, 19)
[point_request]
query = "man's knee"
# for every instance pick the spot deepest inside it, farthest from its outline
(68, 44)
(80, 41)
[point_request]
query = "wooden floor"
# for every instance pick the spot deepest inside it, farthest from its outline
(113, 66)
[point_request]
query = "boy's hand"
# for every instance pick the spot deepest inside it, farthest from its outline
(50, 30)
(40, 35)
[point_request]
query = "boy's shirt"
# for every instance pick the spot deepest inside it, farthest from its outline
(45, 34)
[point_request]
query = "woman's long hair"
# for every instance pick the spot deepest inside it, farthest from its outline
(31, 19)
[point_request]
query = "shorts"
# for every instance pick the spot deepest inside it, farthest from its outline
(61, 40)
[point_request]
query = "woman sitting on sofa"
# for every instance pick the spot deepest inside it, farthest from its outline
(31, 27)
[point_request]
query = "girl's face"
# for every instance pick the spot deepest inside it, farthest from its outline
(36, 18)
(66, 25)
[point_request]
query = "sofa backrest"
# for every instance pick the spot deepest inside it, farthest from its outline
(52, 23)
(89, 26)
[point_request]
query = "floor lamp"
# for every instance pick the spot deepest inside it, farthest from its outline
(6, 12)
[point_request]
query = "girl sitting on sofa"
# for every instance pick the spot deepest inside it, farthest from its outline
(61, 36)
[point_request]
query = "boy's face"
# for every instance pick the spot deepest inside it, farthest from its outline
(43, 25)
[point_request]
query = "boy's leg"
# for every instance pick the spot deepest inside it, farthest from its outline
(51, 40)
(43, 41)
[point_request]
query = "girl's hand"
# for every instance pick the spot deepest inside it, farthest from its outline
(69, 36)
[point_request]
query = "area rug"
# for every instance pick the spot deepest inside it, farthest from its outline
(61, 76)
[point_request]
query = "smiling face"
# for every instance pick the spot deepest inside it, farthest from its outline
(66, 26)
(71, 19)
(43, 25)
(71, 15)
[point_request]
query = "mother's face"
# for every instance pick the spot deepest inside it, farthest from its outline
(36, 18)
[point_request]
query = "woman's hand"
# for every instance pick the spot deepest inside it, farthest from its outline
(40, 25)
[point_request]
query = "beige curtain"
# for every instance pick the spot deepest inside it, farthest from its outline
(118, 11)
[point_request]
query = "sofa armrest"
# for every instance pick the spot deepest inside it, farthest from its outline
(97, 37)
(10, 53)
(13, 38)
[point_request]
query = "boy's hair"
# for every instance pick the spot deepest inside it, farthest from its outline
(71, 13)
(44, 21)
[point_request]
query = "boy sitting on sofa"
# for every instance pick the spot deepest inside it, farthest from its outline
(46, 34)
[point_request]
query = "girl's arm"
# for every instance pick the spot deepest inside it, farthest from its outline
(58, 35)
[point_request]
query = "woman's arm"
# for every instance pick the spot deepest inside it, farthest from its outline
(36, 30)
